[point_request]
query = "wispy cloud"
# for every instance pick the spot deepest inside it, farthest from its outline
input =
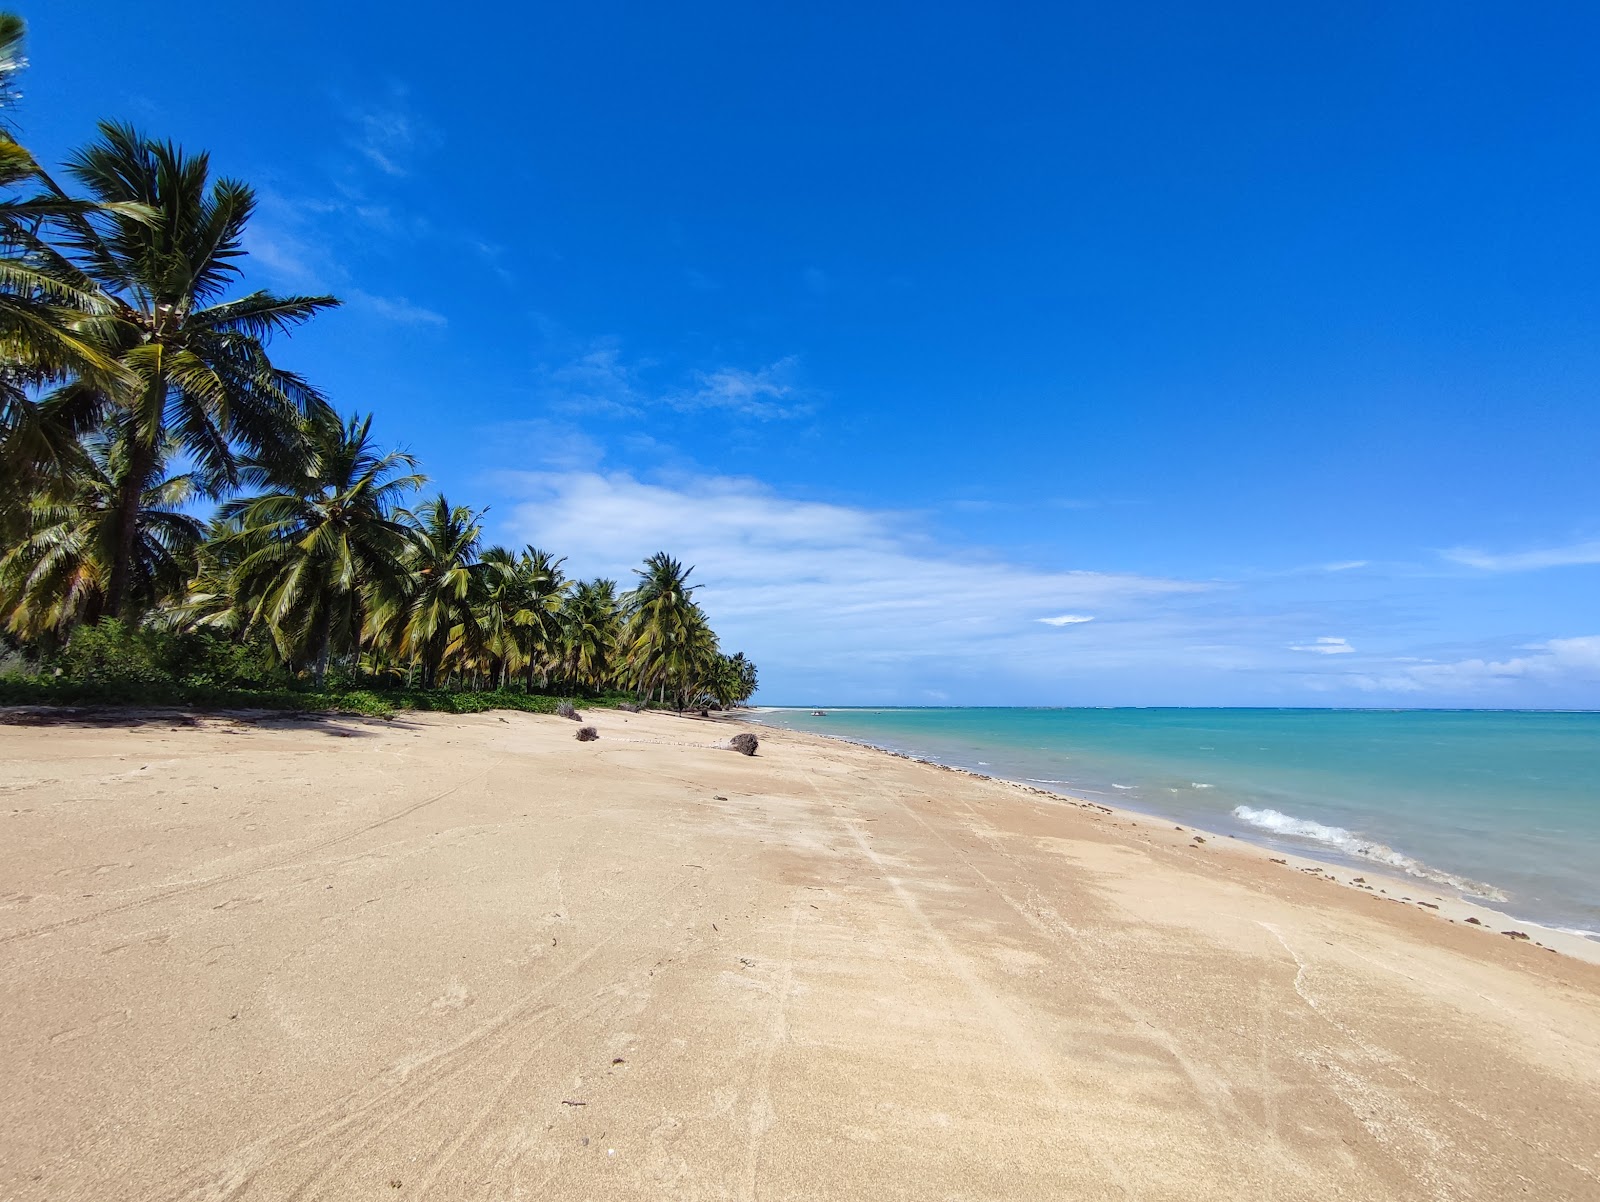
(286, 254)
(1570, 555)
(389, 135)
(812, 585)
(764, 392)
(597, 382)
(1344, 565)
(397, 309)
(600, 381)
(1325, 646)
(1572, 661)
(1066, 619)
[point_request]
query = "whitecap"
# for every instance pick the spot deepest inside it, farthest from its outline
(1114, 785)
(1353, 844)
(1196, 784)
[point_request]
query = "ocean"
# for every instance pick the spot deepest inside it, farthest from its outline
(1502, 807)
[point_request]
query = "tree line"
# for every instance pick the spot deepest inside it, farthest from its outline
(136, 386)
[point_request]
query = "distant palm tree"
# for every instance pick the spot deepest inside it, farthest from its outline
(320, 542)
(666, 633)
(517, 598)
(590, 630)
(161, 245)
(537, 624)
(58, 573)
(432, 618)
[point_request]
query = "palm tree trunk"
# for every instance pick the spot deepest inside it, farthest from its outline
(132, 490)
(319, 672)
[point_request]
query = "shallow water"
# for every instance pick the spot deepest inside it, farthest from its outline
(1499, 806)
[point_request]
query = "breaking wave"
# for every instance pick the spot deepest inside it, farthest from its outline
(1367, 849)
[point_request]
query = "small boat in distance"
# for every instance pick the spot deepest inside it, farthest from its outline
(819, 713)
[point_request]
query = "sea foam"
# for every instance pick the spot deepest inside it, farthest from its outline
(1353, 844)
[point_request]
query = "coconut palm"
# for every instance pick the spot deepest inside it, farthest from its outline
(591, 627)
(729, 680)
(58, 573)
(516, 601)
(430, 617)
(162, 245)
(320, 542)
(537, 623)
(664, 625)
(44, 302)
(688, 663)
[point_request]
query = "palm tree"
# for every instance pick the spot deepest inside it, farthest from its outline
(161, 245)
(58, 573)
(320, 543)
(431, 618)
(729, 680)
(590, 631)
(664, 624)
(689, 663)
(745, 679)
(518, 598)
(44, 301)
(538, 624)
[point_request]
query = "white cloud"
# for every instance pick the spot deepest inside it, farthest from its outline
(1344, 565)
(819, 588)
(397, 309)
(596, 382)
(1526, 561)
(1325, 646)
(600, 381)
(389, 135)
(1066, 619)
(1558, 661)
(765, 392)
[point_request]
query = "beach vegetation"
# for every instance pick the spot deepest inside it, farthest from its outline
(185, 520)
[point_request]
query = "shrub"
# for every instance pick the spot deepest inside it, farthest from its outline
(567, 710)
(744, 743)
(587, 734)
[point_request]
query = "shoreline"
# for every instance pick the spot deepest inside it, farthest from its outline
(1584, 945)
(265, 956)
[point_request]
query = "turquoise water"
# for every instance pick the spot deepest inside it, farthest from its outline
(1502, 807)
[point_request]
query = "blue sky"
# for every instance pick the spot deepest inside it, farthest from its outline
(1263, 338)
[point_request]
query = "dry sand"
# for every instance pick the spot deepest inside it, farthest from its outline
(472, 958)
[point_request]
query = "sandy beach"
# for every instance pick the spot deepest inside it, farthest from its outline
(468, 957)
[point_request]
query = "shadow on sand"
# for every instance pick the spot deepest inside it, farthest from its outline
(339, 726)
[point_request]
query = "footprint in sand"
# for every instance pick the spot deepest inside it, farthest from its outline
(452, 999)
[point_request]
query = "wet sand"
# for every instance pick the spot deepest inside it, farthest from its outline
(464, 957)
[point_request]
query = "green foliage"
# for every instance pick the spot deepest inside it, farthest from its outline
(135, 382)
(115, 654)
(114, 690)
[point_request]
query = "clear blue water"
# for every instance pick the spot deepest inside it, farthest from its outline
(1499, 806)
